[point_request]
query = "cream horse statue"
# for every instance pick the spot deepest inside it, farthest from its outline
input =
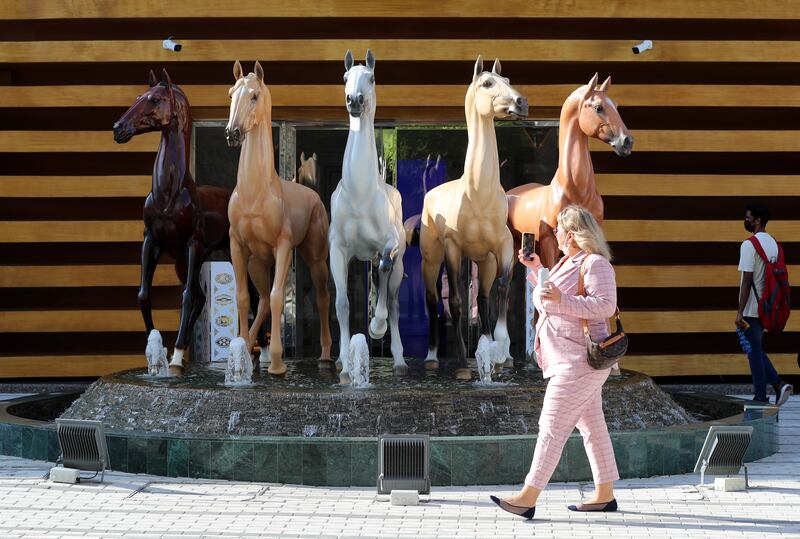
(533, 207)
(366, 217)
(467, 217)
(269, 218)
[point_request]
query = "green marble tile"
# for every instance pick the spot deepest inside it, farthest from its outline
(137, 455)
(364, 464)
(265, 462)
(40, 444)
(26, 442)
(117, 453)
(464, 462)
(338, 464)
(511, 463)
(655, 454)
(487, 456)
(672, 453)
(688, 451)
(243, 461)
(13, 441)
(220, 459)
(576, 459)
(198, 458)
(53, 449)
(177, 457)
(441, 474)
(315, 463)
(290, 463)
(157, 456)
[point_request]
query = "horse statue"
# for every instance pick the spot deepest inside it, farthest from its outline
(467, 217)
(269, 218)
(183, 220)
(366, 216)
(307, 172)
(533, 207)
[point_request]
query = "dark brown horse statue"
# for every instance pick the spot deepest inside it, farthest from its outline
(181, 219)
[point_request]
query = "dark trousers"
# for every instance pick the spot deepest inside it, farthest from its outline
(760, 366)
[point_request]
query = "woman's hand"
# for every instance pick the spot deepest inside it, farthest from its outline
(551, 293)
(534, 263)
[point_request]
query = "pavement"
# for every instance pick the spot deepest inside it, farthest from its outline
(128, 505)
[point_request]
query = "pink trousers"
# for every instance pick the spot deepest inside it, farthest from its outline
(571, 402)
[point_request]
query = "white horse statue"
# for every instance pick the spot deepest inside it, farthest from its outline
(366, 217)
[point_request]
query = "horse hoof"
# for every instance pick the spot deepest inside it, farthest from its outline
(378, 331)
(325, 364)
(175, 370)
(463, 374)
(338, 364)
(277, 368)
(431, 364)
(344, 379)
(400, 370)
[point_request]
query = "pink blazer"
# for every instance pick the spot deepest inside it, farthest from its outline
(560, 345)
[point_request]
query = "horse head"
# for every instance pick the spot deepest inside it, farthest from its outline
(493, 95)
(251, 104)
(600, 119)
(307, 172)
(359, 85)
(154, 110)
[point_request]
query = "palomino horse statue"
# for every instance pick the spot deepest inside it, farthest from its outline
(307, 171)
(180, 219)
(467, 217)
(533, 207)
(366, 216)
(269, 218)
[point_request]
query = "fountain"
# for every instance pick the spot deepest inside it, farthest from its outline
(488, 355)
(156, 352)
(239, 368)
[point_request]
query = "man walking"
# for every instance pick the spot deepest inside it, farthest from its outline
(752, 268)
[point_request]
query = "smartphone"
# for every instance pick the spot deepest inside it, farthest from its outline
(528, 245)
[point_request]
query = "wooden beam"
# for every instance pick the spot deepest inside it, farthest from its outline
(704, 364)
(86, 275)
(687, 322)
(83, 321)
(616, 230)
(68, 366)
(686, 185)
(679, 276)
(646, 141)
(702, 231)
(137, 9)
(330, 95)
(466, 50)
(75, 186)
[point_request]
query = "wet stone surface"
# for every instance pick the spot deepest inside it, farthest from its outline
(307, 402)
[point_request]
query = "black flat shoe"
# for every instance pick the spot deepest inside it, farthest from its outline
(608, 507)
(524, 512)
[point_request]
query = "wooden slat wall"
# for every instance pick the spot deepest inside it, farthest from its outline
(713, 115)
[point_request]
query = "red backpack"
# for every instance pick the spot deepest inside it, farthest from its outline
(774, 304)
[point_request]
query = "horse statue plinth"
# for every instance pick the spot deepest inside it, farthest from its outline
(180, 219)
(587, 113)
(366, 216)
(269, 218)
(467, 217)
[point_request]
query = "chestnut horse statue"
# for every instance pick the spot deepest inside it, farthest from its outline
(533, 207)
(307, 172)
(467, 217)
(181, 219)
(269, 218)
(366, 217)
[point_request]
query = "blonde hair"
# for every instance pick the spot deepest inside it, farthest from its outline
(585, 229)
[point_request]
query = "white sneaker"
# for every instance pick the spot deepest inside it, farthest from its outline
(783, 394)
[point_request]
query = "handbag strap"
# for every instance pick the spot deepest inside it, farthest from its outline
(582, 292)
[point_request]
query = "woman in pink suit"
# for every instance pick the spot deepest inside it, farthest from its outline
(574, 391)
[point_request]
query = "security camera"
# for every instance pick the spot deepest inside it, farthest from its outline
(171, 45)
(643, 46)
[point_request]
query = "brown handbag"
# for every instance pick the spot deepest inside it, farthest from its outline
(604, 354)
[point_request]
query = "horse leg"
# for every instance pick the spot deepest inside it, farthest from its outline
(150, 255)
(339, 260)
(452, 262)
(239, 257)
(194, 256)
(503, 288)
(283, 260)
(377, 328)
(548, 245)
(432, 256)
(487, 273)
(261, 275)
(395, 280)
